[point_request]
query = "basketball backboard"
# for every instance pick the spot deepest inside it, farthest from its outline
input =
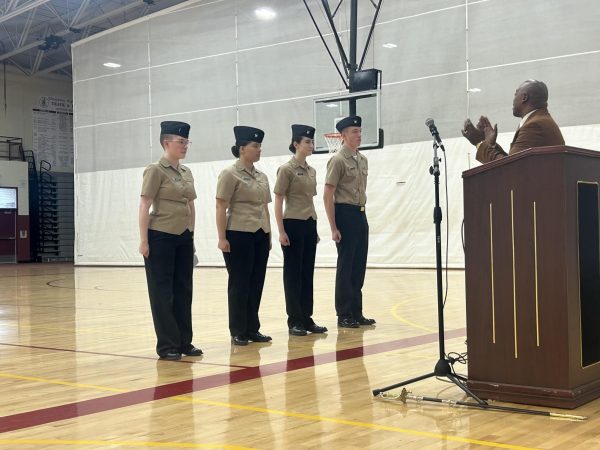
(330, 110)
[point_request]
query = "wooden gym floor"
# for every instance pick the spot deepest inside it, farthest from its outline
(78, 370)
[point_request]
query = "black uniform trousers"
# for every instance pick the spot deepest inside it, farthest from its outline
(246, 265)
(298, 270)
(352, 250)
(169, 272)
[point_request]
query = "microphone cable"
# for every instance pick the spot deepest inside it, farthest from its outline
(447, 224)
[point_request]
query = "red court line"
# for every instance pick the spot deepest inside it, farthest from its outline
(111, 402)
(184, 361)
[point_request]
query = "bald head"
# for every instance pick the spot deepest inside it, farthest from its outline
(530, 95)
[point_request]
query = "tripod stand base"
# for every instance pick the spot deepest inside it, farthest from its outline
(442, 369)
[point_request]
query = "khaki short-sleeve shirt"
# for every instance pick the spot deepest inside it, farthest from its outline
(298, 184)
(171, 189)
(348, 174)
(247, 192)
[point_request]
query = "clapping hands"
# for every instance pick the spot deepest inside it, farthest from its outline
(471, 133)
(484, 131)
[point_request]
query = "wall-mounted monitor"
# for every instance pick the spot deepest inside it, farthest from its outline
(8, 198)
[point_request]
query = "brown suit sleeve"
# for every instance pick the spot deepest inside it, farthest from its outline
(485, 153)
(539, 130)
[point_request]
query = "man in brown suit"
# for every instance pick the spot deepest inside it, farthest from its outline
(536, 129)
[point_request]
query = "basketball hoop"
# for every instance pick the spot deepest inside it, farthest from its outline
(334, 141)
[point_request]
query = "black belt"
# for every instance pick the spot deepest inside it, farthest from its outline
(350, 206)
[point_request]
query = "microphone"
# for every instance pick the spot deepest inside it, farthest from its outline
(434, 132)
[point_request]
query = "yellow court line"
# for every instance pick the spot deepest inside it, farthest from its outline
(398, 317)
(353, 423)
(60, 382)
(120, 443)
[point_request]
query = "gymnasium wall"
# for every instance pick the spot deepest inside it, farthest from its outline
(214, 64)
(22, 96)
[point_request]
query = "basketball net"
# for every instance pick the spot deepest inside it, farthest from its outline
(334, 141)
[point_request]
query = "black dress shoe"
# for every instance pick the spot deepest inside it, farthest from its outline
(298, 330)
(239, 340)
(348, 322)
(314, 328)
(258, 337)
(192, 351)
(362, 320)
(171, 356)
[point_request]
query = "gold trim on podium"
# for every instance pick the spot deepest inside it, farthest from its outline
(492, 277)
(537, 310)
(512, 223)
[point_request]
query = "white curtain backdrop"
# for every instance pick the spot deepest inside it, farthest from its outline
(214, 64)
(399, 206)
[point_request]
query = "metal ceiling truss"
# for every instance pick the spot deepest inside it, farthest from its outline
(18, 11)
(26, 28)
(62, 27)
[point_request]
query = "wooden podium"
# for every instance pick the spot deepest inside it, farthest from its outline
(532, 268)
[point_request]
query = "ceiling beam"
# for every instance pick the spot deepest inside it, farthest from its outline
(79, 12)
(38, 60)
(18, 66)
(86, 31)
(11, 4)
(57, 15)
(22, 9)
(39, 55)
(66, 49)
(8, 35)
(99, 8)
(107, 15)
(58, 66)
(26, 28)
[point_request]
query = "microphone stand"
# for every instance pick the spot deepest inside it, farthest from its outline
(443, 367)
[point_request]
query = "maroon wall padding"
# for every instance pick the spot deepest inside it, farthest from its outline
(23, 243)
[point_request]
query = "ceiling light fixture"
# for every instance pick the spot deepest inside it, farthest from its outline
(112, 65)
(389, 45)
(265, 13)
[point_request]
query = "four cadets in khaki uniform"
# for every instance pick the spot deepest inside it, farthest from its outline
(297, 185)
(243, 226)
(345, 198)
(167, 243)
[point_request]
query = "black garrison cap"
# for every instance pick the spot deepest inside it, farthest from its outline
(175, 128)
(351, 121)
(248, 134)
(303, 131)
